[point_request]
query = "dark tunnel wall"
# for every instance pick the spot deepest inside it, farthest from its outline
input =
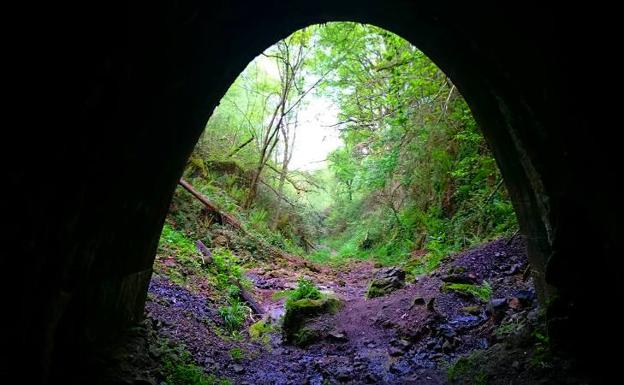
(118, 96)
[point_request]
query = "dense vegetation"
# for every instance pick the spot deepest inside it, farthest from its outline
(410, 182)
(413, 177)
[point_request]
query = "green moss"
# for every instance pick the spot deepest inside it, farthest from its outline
(301, 311)
(474, 310)
(306, 336)
(305, 290)
(382, 286)
(179, 368)
(468, 369)
(236, 353)
(374, 291)
(281, 294)
(482, 292)
(260, 331)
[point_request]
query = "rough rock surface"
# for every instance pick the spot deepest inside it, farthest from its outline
(386, 281)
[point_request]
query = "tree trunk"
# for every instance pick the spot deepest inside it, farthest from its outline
(282, 180)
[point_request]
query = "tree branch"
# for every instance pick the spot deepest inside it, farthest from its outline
(237, 149)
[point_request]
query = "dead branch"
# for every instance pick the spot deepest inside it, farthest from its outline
(237, 149)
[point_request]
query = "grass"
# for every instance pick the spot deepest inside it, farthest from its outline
(233, 315)
(482, 292)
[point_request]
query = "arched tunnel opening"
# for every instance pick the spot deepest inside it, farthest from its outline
(388, 253)
(134, 101)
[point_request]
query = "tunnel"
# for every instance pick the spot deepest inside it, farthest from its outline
(116, 96)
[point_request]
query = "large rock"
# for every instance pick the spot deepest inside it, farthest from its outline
(386, 281)
(297, 326)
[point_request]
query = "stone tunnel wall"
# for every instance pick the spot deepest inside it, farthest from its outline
(125, 92)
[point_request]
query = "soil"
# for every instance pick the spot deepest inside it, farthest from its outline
(411, 336)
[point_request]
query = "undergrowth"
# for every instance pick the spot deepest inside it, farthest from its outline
(180, 369)
(305, 290)
(468, 369)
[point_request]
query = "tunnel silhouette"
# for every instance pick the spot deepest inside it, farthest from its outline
(136, 85)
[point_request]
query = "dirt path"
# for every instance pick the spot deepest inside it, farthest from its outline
(407, 337)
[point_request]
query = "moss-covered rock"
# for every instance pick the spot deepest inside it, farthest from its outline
(299, 313)
(474, 310)
(386, 281)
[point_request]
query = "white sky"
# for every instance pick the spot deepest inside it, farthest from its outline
(314, 140)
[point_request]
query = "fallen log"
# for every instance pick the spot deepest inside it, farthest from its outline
(229, 219)
(247, 297)
(225, 217)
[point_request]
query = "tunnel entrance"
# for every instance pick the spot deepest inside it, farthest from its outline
(362, 258)
(134, 100)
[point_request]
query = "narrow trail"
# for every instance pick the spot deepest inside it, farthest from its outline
(406, 337)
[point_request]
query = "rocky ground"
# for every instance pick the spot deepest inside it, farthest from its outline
(417, 334)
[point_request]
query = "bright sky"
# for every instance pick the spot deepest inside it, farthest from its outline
(314, 140)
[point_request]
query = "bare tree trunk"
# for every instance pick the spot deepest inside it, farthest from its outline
(286, 157)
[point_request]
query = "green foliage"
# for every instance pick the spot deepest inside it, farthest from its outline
(226, 269)
(468, 369)
(260, 331)
(482, 292)
(413, 173)
(414, 169)
(191, 374)
(324, 256)
(543, 353)
(176, 243)
(179, 368)
(237, 353)
(257, 219)
(305, 290)
(234, 315)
